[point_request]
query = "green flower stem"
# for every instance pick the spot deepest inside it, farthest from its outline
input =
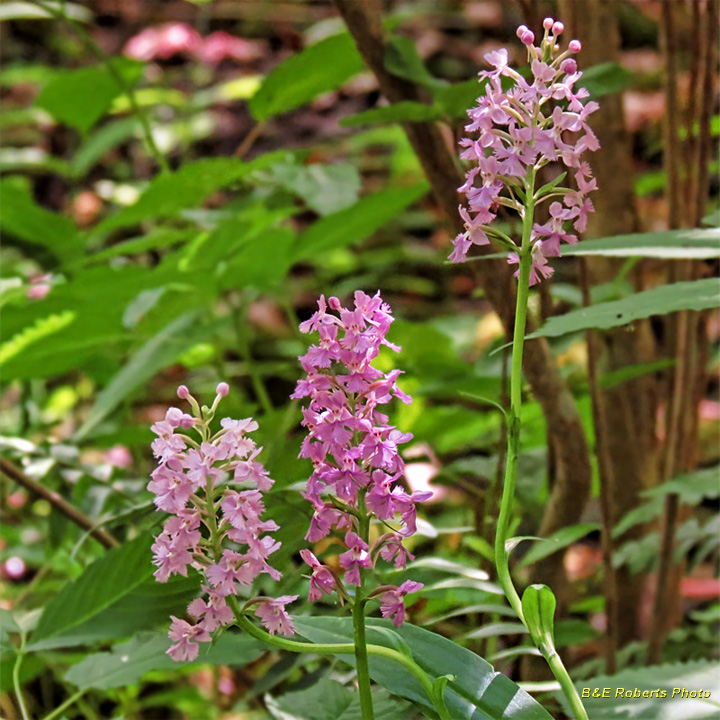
(513, 450)
(60, 709)
(16, 679)
(248, 626)
(358, 617)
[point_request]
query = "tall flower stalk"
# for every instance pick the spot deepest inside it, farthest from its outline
(519, 131)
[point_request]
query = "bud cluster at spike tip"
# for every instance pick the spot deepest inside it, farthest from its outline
(213, 481)
(353, 448)
(520, 130)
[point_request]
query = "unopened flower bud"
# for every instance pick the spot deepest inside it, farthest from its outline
(334, 303)
(183, 393)
(575, 46)
(568, 66)
(174, 416)
(222, 389)
(548, 23)
(521, 29)
(557, 28)
(528, 37)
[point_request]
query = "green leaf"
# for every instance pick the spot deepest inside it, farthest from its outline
(159, 352)
(103, 583)
(356, 222)
(657, 679)
(455, 100)
(496, 629)
(402, 59)
(319, 68)
(81, 97)
(170, 193)
(630, 372)
(557, 541)
(329, 700)
(325, 188)
(24, 219)
(691, 244)
(696, 295)
(605, 79)
(401, 112)
(21, 10)
(104, 139)
(478, 693)
(129, 661)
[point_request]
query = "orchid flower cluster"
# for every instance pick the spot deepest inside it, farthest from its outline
(520, 130)
(354, 451)
(213, 482)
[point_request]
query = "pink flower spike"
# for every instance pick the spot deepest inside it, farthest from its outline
(274, 617)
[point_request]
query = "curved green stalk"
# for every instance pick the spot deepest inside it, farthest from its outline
(513, 450)
(248, 626)
(16, 680)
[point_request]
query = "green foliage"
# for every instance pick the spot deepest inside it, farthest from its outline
(407, 111)
(477, 692)
(329, 700)
(114, 585)
(694, 295)
(694, 243)
(129, 661)
(605, 79)
(319, 68)
(559, 540)
(79, 98)
(692, 676)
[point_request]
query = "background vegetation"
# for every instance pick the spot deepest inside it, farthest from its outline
(182, 180)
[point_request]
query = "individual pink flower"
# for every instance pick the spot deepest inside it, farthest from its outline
(520, 130)
(186, 638)
(356, 557)
(392, 604)
(273, 615)
(322, 581)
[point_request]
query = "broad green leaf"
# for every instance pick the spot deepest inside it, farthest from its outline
(355, 223)
(666, 683)
(146, 607)
(329, 700)
(478, 693)
(630, 372)
(103, 583)
(692, 244)
(159, 352)
(605, 79)
(129, 661)
(401, 112)
(168, 194)
(455, 100)
(402, 59)
(319, 68)
(557, 541)
(22, 10)
(81, 97)
(696, 295)
(156, 239)
(325, 188)
(24, 219)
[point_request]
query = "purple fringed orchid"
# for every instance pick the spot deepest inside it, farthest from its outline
(194, 483)
(353, 448)
(516, 132)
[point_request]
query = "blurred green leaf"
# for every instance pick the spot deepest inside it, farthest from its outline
(557, 541)
(21, 10)
(159, 352)
(401, 112)
(356, 222)
(690, 244)
(24, 219)
(640, 705)
(402, 59)
(81, 97)
(103, 583)
(100, 142)
(129, 661)
(696, 295)
(319, 68)
(605, 79)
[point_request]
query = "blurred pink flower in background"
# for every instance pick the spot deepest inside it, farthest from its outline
(119, 456)
(39, 287)
(166, 41)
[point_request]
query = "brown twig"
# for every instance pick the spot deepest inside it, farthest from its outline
(607, 484)
(249, 140)
(59, 503)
